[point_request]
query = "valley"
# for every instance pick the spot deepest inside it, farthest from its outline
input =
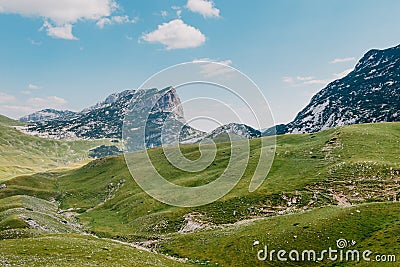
(324, 184)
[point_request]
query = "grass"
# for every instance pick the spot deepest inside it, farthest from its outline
(24, 154)
(9, 122)
(22, 216)
(373, 226)
(67, 250)
(310, 173)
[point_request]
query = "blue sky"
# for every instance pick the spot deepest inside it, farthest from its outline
(71, 54)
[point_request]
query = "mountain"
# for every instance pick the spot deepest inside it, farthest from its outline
(48, 114)
(370, 93)
(105, 119)
(9, 122)
(220, 134)
(241, 130)
(23, 154)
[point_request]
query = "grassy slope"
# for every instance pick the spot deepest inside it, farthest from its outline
(359, 162)
(310, 178)
(374, 226)
(9, 122)
(24, 154)
(76, 250)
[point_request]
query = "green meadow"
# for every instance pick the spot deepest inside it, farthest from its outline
(339, 183)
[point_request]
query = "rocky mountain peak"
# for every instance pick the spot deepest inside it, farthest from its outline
(105, 119)
(370, 93)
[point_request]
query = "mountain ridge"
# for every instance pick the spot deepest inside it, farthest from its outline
(369, 93)
(105, 119)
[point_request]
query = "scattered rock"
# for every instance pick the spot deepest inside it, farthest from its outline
(193, 222)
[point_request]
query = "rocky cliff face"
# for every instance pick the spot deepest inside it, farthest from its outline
(370, 93)
(105, 119)
(240, 130)
(48, 114)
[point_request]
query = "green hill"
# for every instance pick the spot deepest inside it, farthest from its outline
(9, 122)
(344, 182)
(77, 250)
(24, 154)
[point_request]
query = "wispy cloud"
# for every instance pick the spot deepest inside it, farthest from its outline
(59, 32)
(288, 79)
(164, 13)
(6, 98)
(49, 101)
(343, 60)
(342, 74)
(33, 86)
(304, 79)
(33, 42)
(115, 20)
(310, 80)
(209, 69)
(175, 35)
(315, 81)
(204, 7)
(15, 107)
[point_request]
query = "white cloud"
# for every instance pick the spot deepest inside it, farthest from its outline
(342, 60)
(304, 79)
(47, 102)
(115, 20)
(178, 11)
(164, 14)
(212, 69)
(204, 7)
(309, 80)
(16, 111)
(61, 11)
(321, 82)
(15, 108)
(60, 15)
(342, 74)
(59, 32)
(288, 79)
(26, 92)
(33, 42)
(6, 98)
(33, 86)
(175, 35)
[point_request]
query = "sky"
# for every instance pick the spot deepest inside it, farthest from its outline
(70, 54)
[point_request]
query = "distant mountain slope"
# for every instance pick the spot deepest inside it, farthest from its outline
(241, 130)
(9, 122)
(370, 93)
(105, 119)
(24, 154)
(48, 114)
